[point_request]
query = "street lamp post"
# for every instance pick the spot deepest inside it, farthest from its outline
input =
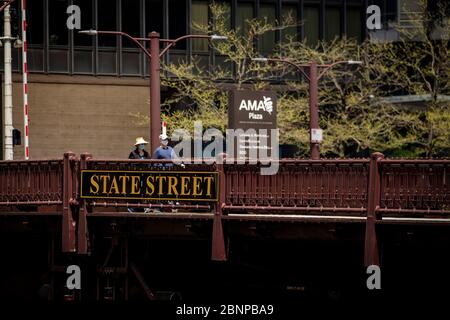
(155, 90)
(154, 55)
(312, 72)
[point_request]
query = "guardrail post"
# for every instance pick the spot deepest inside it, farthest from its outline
(218, 243)
(68, 223)
(371, 256)
(83, 230)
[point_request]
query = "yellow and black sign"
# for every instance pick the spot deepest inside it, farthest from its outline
(150, 185)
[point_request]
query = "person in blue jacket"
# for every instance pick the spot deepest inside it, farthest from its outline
(164, 151)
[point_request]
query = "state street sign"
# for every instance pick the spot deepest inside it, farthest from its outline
(149, 185)
(255, 113)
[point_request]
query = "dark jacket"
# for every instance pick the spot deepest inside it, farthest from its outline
(135, 154)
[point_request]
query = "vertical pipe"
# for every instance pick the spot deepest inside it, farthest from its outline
(8, 122)
(25, 80)
(373, 201)
(83, 231)
(155, 98)
(218, 252)
(313, 108)
(68, 227)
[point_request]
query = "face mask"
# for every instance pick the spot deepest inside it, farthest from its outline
(141, 146)
(164, 142)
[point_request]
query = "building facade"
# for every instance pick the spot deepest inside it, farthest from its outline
(84, 91)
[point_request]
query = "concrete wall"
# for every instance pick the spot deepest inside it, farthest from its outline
(81, 114)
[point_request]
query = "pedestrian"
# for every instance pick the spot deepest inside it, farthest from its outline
(164, 151)
(139, 151)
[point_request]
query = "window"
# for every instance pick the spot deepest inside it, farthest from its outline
(199, 17)
(58, 35)
(177, 21)
(35, 22)
(267, 40)
(106, 15)
(131, 12)
(83, 44)
(35, 35)
(58, 32)
(291, 32)
(332, 23)
(354, 27)
(153, 16)
(311, 24)
(227, 13)
(107, 20)
(130, 21)
(86, 23)
(244, 12)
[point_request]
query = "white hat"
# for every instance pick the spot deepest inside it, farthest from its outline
(163, 136)
(140, 140)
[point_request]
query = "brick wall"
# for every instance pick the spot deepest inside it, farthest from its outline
(81, 114)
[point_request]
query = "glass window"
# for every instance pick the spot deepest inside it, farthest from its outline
(106, 15)
(35, 59)
(292, 12)
(83, 61)
(227, 13)
(177, 21)
(131, 63)
(153, 16)
(332, 23)
(106, 62)
(130, 21)
(354, 27)
(311, 24)
(267, 41)
(57, 18)
(58, 60)
(83, 51)
(199, 17)
(86, 23)
(35, 22)
(244, 12)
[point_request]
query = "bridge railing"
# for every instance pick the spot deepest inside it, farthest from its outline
(403, 187)
(415, 186)
(299, 185)
(31, 182)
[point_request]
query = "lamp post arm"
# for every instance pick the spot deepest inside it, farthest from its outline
(135, 40)
(172, 42)
(7, 3)
(299, 67)
(326, 67)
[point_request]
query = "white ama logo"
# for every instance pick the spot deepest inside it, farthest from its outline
(255, 105)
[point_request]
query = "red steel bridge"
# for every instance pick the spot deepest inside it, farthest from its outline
(304, 199)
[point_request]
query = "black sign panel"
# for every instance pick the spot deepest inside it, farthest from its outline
(252, 111)
(149, 185)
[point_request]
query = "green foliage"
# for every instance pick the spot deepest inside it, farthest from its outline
(353, 112)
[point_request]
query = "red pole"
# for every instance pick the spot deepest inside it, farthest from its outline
(371, 256)
(155, 87)
(313, 109)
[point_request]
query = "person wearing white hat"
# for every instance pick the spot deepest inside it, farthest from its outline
(139, 151)
(164, 151)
